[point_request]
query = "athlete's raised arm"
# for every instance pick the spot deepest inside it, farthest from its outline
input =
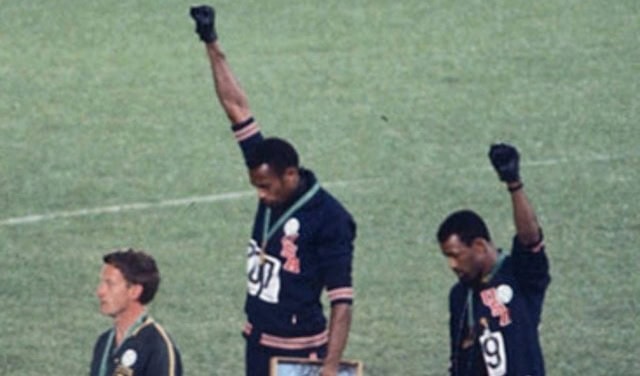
(505, 159)
(230, 95)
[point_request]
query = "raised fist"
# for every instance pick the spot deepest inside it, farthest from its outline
(505, 160)
(205, 17)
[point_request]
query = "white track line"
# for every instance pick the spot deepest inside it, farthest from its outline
(144, 205)
(241, 194)
(592, 158)
(125, 207)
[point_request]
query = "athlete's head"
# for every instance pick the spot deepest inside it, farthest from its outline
(465, 242)
(274, 170)
(127, 277)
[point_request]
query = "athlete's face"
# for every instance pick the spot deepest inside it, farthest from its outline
(465, 261)
(273, 190)
(114, 292)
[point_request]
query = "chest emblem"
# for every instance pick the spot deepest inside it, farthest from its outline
(129, 358)
(289, 247)
(504, 293)
(495, 299)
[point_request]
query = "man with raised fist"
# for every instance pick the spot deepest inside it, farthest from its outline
(496, 305)
(302, 239)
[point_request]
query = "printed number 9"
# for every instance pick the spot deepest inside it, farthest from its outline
(491, 348)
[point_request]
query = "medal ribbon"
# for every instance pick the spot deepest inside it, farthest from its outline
(267, 232)
(487, 278)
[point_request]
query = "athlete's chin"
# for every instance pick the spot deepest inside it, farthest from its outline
(464, 278)
(105, 309)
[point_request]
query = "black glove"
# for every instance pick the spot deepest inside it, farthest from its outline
(205, 17)
(505, 160)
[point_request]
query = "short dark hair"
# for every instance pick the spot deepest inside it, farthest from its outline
(277, 153)
(466, 224)
(137, 267)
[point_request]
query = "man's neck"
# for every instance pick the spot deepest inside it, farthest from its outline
(301, 186)
(125, 320)
(490, 265)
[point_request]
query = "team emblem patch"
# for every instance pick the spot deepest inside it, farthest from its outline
(289, 248)
(492, 299)
(504, 293)
(292, 227)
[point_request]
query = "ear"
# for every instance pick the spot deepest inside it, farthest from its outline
(135, 291)
(291, 174)
(480, 245)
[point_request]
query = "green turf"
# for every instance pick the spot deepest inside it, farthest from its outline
(111, 103)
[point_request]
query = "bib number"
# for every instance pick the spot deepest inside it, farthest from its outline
(263, 277)
(493, 352)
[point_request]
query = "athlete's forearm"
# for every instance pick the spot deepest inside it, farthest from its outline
(339, 325)
(524, 216)
(230, 95)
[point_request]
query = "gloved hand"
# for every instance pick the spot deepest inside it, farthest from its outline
(505, 160)
(205, 16)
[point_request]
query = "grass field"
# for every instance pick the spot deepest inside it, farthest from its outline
(107, 114)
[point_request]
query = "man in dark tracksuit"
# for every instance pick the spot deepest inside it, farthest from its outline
(495, 307)
(301, 243)
(136, 345)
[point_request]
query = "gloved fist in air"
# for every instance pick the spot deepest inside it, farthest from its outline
(505, 160)
(205, 16)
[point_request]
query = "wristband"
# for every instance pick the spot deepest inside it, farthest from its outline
(242, 124)
(515, 187)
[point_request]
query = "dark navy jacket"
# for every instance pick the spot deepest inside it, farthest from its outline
(149, 351)
(506, 314)
(310, 251)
